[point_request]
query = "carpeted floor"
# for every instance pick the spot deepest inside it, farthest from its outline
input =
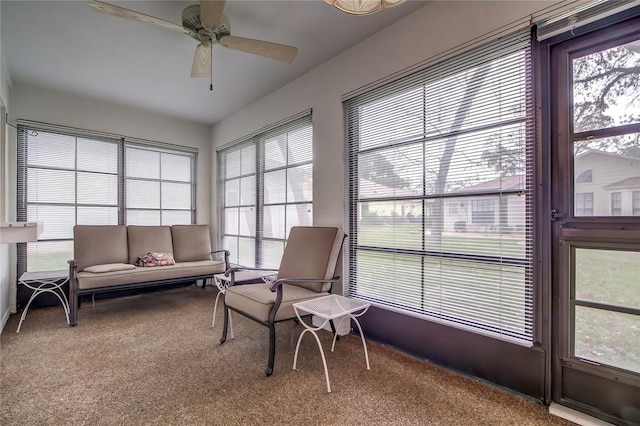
(153, 359)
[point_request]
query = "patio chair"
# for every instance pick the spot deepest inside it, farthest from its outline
(306, 272)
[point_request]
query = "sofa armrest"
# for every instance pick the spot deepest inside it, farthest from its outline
(73, 292)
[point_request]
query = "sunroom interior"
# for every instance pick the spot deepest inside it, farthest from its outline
(482, 157)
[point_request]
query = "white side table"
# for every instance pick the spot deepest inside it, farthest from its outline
(45, 282)
(330, 308)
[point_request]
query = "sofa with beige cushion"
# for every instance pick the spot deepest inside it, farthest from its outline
(105, 258)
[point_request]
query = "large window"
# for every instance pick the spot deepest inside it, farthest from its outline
(68, 177)
(440, 191)
(265, 184)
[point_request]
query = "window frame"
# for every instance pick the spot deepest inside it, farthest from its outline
(430, 202)
(26, 129)
(616, 203)
(263, 257)
(583, 199)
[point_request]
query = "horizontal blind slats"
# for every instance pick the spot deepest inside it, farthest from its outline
(440, 184)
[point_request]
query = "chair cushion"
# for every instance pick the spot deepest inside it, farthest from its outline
(311, 252)
(186, 270)
(145, 239)
(256, 300)
(191, 243)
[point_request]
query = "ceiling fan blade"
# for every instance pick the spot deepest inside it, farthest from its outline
(211, 13)
(279, 52)
(202, 60)
(121, 12)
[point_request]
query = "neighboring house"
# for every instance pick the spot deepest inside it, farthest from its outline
(397, 208)
(487, 213)
(606, 184)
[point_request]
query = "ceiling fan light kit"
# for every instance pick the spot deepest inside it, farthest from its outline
(363, 7)
(206, 23)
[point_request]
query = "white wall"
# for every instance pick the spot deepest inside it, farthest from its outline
(435, 28)
(6, 250)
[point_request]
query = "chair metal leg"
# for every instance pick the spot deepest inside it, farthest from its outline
(272, 349)
(225, 326)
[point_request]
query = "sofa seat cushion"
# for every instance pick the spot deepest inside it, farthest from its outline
(258, 299)
(91, 280)
(109, 267)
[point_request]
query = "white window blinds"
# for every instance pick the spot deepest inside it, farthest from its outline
(440, 191)
(265, 184)
(69, 176)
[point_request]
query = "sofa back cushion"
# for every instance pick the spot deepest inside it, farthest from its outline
(99, 244)
(145, 239)
(191, 243)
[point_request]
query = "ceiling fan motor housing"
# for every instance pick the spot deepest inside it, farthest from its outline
(191, 20)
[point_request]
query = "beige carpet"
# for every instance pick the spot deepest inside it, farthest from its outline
(153, 359)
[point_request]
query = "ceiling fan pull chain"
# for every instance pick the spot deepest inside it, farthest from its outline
(211, 63)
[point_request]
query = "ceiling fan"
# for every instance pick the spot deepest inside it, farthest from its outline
(206, 23)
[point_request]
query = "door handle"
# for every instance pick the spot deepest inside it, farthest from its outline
(556, 215)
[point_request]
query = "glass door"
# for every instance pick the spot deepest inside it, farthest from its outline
(596, 217)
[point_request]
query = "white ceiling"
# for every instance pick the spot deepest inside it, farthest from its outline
(67, 46)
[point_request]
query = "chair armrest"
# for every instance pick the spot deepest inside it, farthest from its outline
(242, 268)
(232, 272)
(73, 268)
(226, 257)
(278, 283)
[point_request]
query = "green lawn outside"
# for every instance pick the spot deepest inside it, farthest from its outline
(409, 236)
(601, 275)
(613, 277)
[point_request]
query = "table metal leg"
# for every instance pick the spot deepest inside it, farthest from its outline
(313, 330)
(38, 291)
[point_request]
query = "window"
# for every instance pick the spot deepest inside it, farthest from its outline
(265, 184)
(636, 203)
(584, 204)
(585, 177)
(158, 186)
(68, 177)
(453, 144)
(482, 211)
(616, 203)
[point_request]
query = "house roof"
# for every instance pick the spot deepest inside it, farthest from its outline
(503, 183)
(609, 154)
(371, 189)
(631, 182)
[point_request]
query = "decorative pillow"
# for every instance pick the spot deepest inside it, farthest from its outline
(155, 259)
(109, 267)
